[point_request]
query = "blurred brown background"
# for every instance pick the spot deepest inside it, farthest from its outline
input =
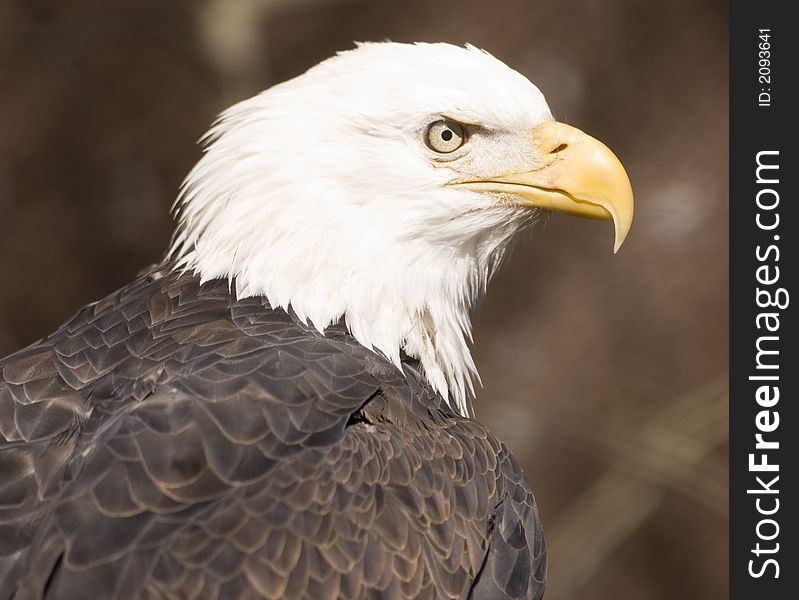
(607, 376)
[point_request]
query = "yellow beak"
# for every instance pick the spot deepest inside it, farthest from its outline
(576, 174)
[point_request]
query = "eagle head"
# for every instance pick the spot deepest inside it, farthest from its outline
(384, 187)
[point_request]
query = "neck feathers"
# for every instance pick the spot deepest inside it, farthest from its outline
(393, 295)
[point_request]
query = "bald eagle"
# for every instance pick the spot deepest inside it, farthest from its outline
(281, 408)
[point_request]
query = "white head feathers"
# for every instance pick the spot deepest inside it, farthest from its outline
(321, 194)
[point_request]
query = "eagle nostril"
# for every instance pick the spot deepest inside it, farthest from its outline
(560, 148)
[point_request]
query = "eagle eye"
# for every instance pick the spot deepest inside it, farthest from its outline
(445, 136)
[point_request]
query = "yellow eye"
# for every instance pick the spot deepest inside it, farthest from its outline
(445, 136)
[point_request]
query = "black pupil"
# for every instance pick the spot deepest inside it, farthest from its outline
(446, 135)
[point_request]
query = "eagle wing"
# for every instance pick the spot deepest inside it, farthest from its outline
(172, 441)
